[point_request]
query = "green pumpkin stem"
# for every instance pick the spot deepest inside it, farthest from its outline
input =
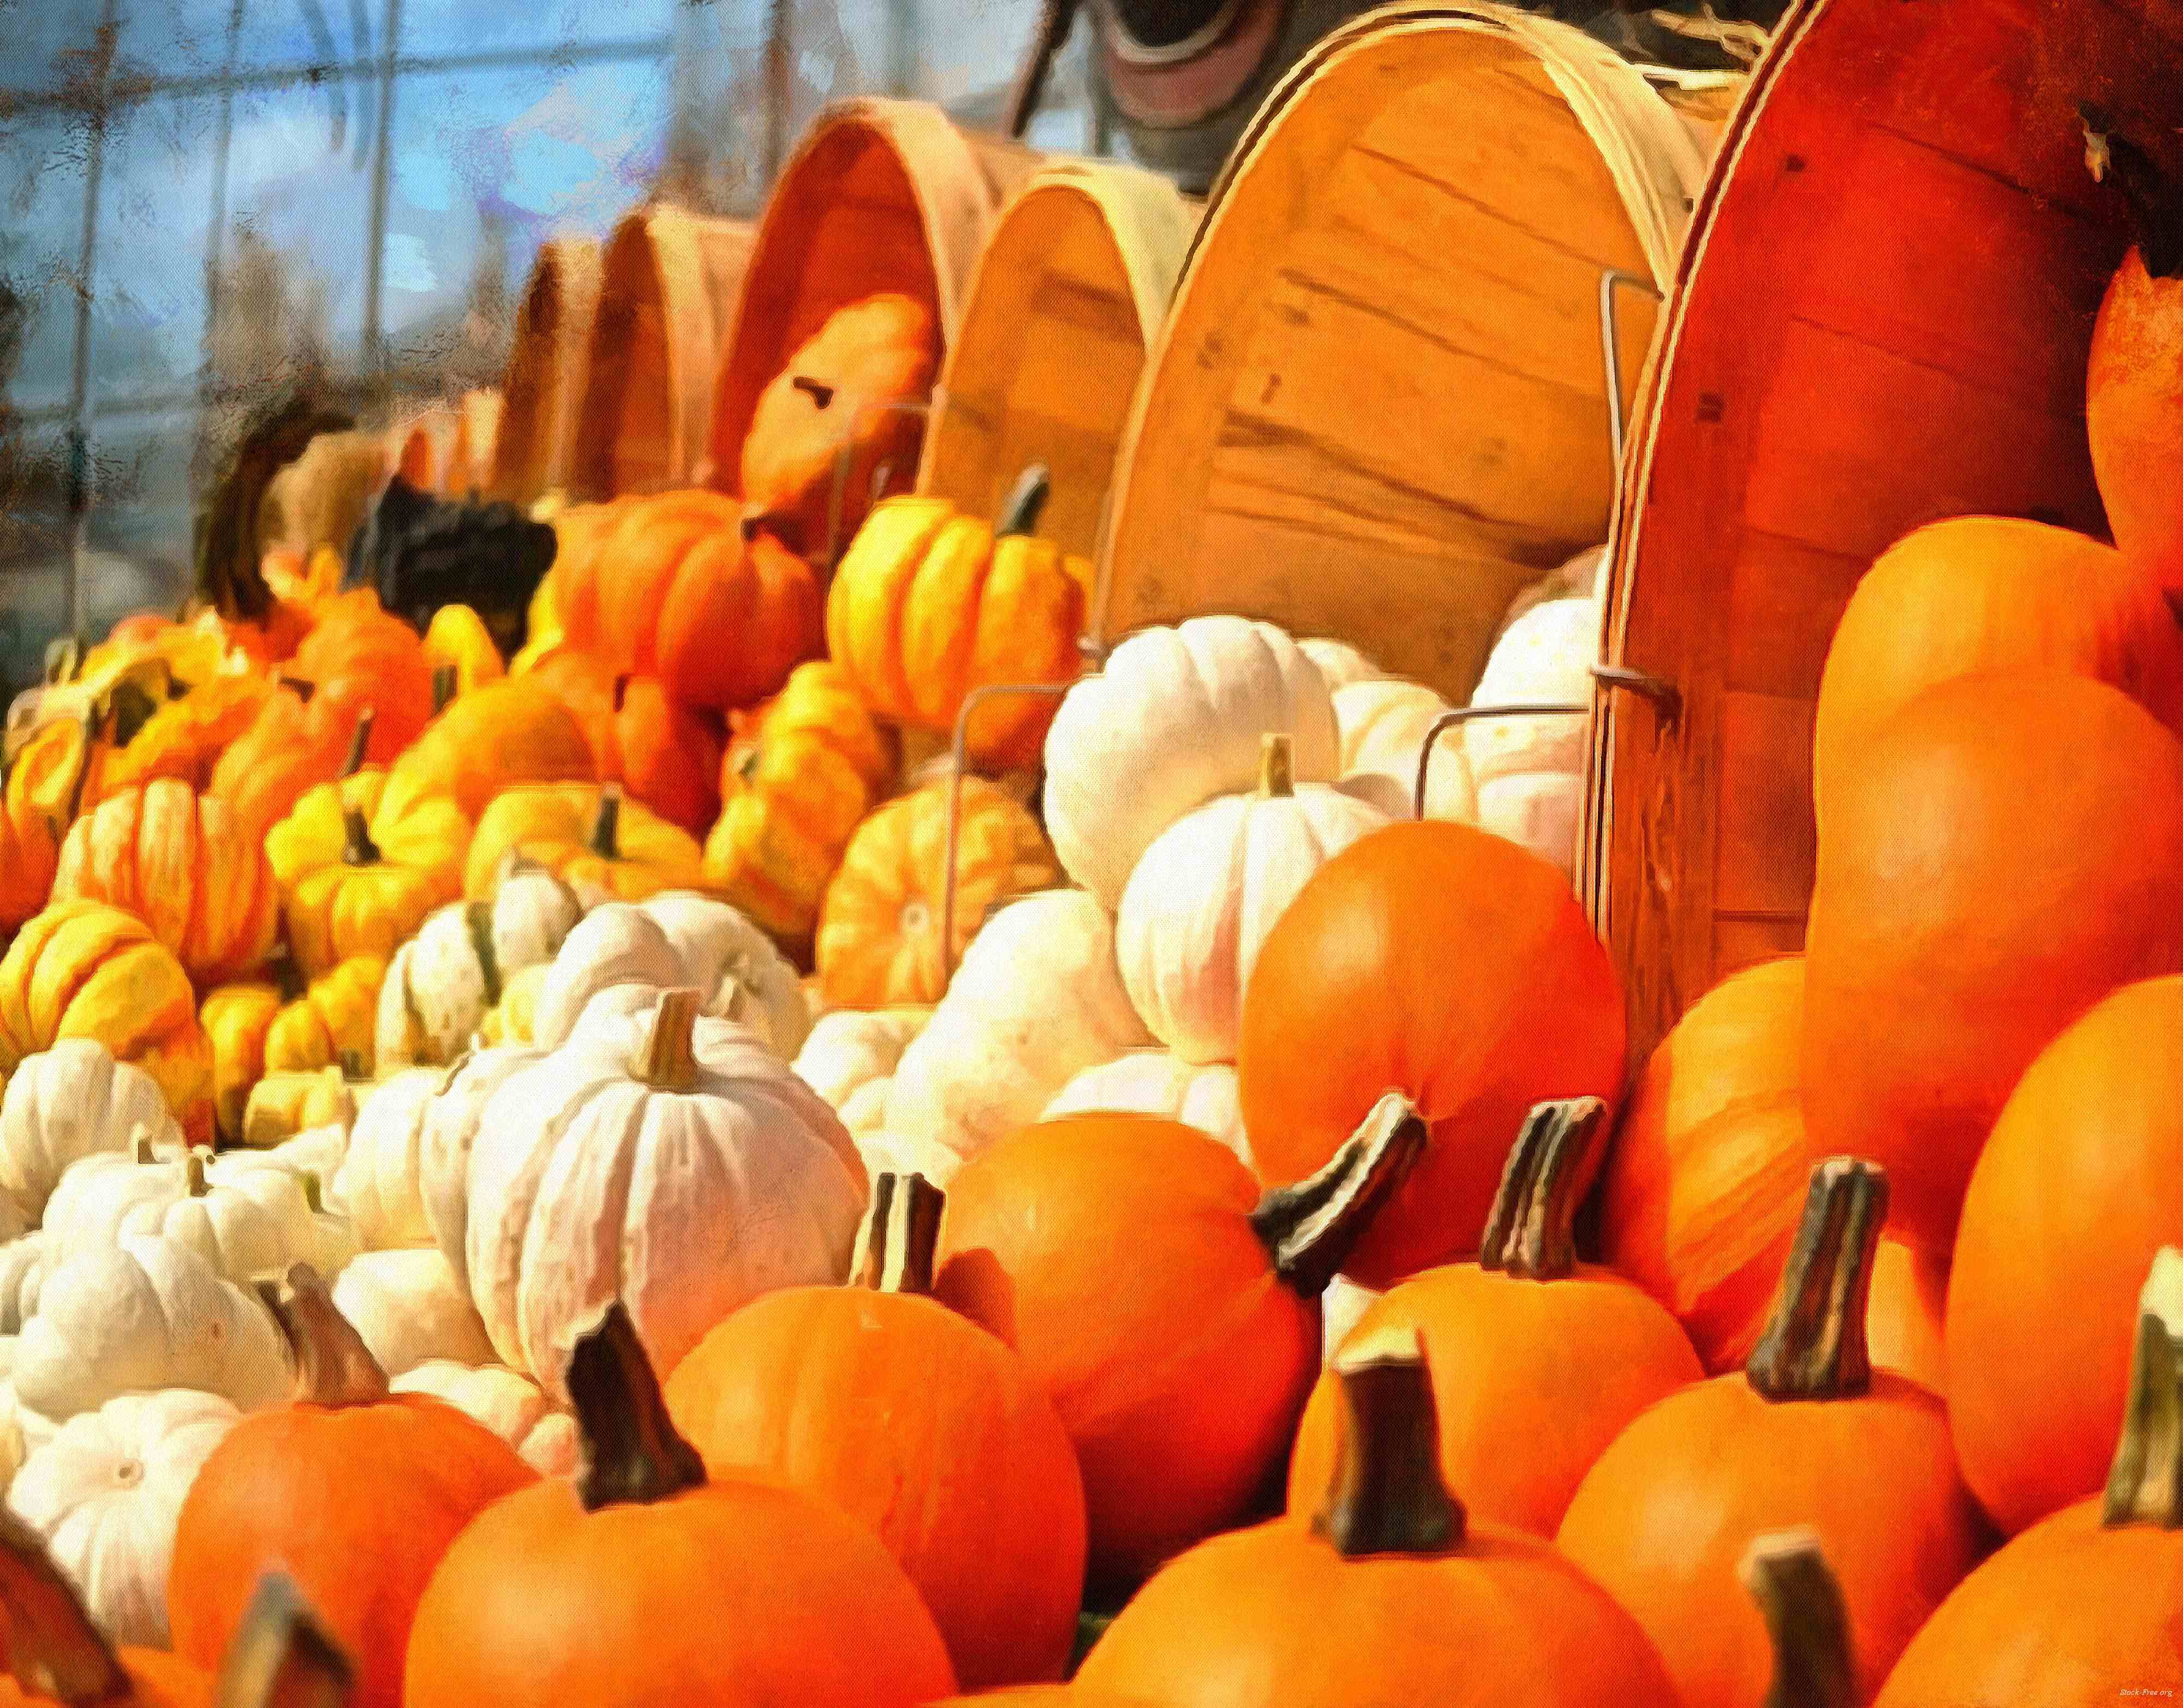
(2145, 1485)
(900, 1239)
(1277, 766)
(443, 687)
(314, 1190)
(1387, 1496)
(477, 922)
(1024, 504)
(669, 1060)
(1531, 1232)
(282, 1656)
(358, 740)
(333, 1366)
(357, 848)
(631, 1453)
(605, 840)
(1802, 1603)
(53, 1650)
(1815, 1346)
(1310, 1229)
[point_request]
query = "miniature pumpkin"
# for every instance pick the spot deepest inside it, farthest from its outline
(879, 928)
(281, 1105)
(56, 1653)
(671, 587)
(187, 865)
(930, 604)
(1202, 898)
(408, 1307)
(801, 771)
(887, 1405)
(711, 1173)
(1541, 1360)
(1384, 722)
(1972, 899)
(358, 654)
(1335, 1609)
(849, 1049)
(513, 1407)
(444, 981)
(66, 1103)
(1176, 716)
(832, 398)
(1036, 1001)
(1340, 663)
(1084, 1241)
(641, 1581)
(58, 773)
(83, 969)
(244, 1224)
(1529, 771)
(30, 854)
(665, 753)
(1454, 966)
(741, 976)
(589, 835)
(506, 732)
(1806, 1434)
(236, 1019)
(330, 1022)
(2133, 380)
(379, 1182)
(1983, 593)
(184, 738)
(457, 639)
(1152, 1082)
(347, 1473)
(298, 739)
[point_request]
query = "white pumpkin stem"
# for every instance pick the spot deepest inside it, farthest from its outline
(631, 1452)
(1802, 1603)
(1310, 1228)
(1387, 1496)
(900, 1239)
(53, 1649)
(1815, 1344)
(1276, 765)
(668, 1061)
(193, 1173)
(606, 828)
(352, 1070)
(141, 1147)
(333, 1366)
(1531, 1231)
(282, 1656)
(2145, 1485)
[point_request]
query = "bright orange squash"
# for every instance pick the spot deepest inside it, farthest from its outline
(2134, 379)
(665, 754)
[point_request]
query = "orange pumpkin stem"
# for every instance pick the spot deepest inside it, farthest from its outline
(1025, 503)
(2156, 202)
(282, 1656)
(357, 848)
(901, 1235)
(1815, 1346)
(1531, 1231)
(606, 828)
(443, 687)
(1387, 1496)
(2146, 1485)
(333, 1366)
(1277, 766)
(631, 1454)
(358, 740)
(669, 1060)
(1802, 1603)
(1310, 1228)
(53, 1649)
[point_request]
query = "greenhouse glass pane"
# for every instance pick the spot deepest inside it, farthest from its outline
(470, 27)
(42, 41)
(172, 38)
(140, 516)
(148, 279)
(42, 161)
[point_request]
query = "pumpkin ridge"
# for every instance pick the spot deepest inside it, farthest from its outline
(109, 936)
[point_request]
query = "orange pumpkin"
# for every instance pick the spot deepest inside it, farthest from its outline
(833, 398)
(1985, 593)
(1542, 1361)
(664, 753)
(299, 738)
(56, 1654)
(672, 588)
(1389, 1592)
(2134, 379)
(1974, 896)
(184, 863)
(355, 1492)
(1806, 1435)
(1453, 966)
(588, 836)
(184, 738)
(506, 732)
(1904, 1322)
(357, 653)
(639, 1581)
(32, 822)
(884, 1404)
(1169, 1308)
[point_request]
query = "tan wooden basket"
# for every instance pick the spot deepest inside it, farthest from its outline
(544, 384)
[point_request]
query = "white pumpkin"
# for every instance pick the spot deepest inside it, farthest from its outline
(106, 1494)
(24, 1263)
(663, 1157)
(243, 1221)
(408, 1307)
(864, 1110)
(1339, 663)
(1036, 1001)
(897, 1153)
(15, 1448)
(378, 1183)
(441, 982)
(1153, 1082)
(1212, 885)
(1384, 726)
(317, 1150)
(1530, 772)
(617, 944)
(146, 1315)
(449, 1135)
(1173, 719)
(512, 1405)
(66, 1103)
(1577, 579)
(852, 1048)
(743, 977)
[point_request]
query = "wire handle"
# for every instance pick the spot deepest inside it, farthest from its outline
(1663, 695)
(990, 690)
(1610, 347)
(846, 455)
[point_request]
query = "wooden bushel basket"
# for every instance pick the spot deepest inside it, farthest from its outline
(544, 384)
(1064, 304)
(879, 195)
(1379, 408)
(1880, 320)
(667, 284)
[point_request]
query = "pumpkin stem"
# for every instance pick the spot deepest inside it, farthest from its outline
(351, 1066)
(2146, 1485)
(620, 695)
(1277, 766)
(53, 1650)
(1814, 1347)
(2155, 201)
(746, 763)
(1310, 1228)
(1802, 1603)
(1387, 1496)
(314, 1191)
(901, 1235)
(820, 393)
(358, 740)
(1531, 1232)
(288, 979)
(301, 686)
(443, 687)
(193, 1173)
(333, 1366)
(477, 921)
(631, 1454)
(1025, 503)
(606, 828)
(141, 1148)
(357, 848)
(282, 1656)
(668, 1061)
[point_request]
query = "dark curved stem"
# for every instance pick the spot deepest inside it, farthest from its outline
(2145, 1485)
(1026, 504)
(1531, 1232)
(443, 687)
(1802, 1603)
(333, 1366)
(631, 1453)
(1387, 1496)
(821, 395)
(1310, 1228)
(606, 827)
(357, 848)
(2155, 199)
(282, 1656)
(1815, 1346)
(901, 1235)
(358, 740)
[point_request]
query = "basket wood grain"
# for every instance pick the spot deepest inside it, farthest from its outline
(550, 355)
